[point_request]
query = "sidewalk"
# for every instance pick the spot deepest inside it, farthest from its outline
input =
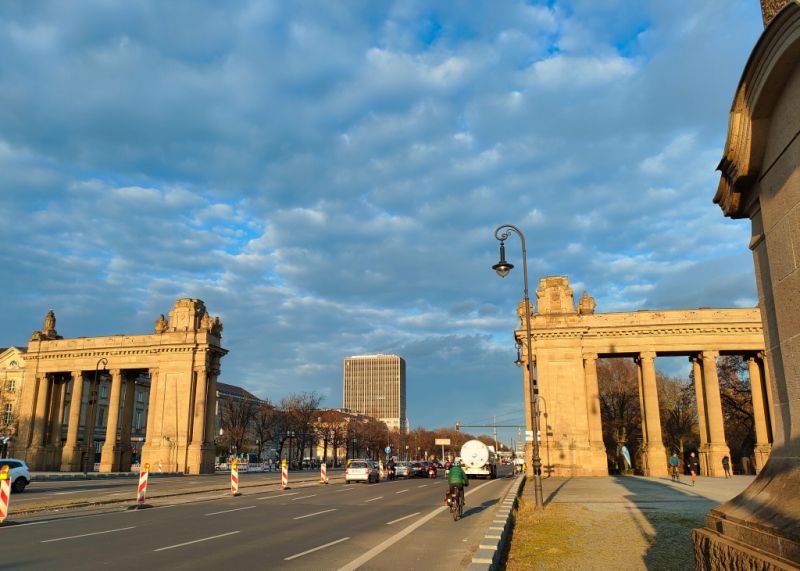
(624, 522)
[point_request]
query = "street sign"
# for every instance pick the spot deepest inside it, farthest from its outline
(387, 449)
(442, 442)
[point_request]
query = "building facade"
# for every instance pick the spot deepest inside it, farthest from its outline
(375, 385)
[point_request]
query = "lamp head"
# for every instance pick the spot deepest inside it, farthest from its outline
(518, 362)
(503, 267)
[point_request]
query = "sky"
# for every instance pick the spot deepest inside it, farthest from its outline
(327, 176)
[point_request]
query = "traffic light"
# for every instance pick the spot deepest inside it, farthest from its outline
(458, 426)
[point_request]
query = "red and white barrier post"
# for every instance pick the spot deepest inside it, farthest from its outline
(284, 475)
(5, 493)
(235, 478)
(380, 469)
(142, 490)
(323, 473)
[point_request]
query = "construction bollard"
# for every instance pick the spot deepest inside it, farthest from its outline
(380, 469)
(5, 493)
(284, 475)
(142, 491)
(323, 473)
(234, 478)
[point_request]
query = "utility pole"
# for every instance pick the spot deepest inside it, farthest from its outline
(494, 430)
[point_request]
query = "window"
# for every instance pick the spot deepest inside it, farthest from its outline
(8, 413)
(101, 413)
(11, 385)
(140, 396)
(103, 391)
(137, 420)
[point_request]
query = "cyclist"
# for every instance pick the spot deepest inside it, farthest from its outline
(674, 462)
(457, 479)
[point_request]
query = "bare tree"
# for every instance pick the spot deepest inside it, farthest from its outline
(264, 422)
(619, 407)
(237, 418)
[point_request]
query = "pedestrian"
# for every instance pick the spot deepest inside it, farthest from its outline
(694, 467)
(674, 463)
(726, 466)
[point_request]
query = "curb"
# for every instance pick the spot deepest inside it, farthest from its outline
(494, 541)
(97, 476)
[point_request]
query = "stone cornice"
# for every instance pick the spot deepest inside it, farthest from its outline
(644, 332)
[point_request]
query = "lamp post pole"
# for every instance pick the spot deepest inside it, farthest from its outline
(503, 233)
(91, 417)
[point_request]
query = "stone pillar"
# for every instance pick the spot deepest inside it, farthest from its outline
(593, 406)
(56, 413)
(702, 417)
(40, 423)
(109, 459)
(211, 406)
(71, 454)
(770, 399)
(151, 443)
(656, 453)
(717, 448)
(127, 425)
(201, 455)
(760, 415)
(89, 424)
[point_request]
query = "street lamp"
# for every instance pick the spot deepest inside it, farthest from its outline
(88, 428)
(502, 233)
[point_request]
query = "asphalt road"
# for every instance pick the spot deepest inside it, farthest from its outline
(388, 525)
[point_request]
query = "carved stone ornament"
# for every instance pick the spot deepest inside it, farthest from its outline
(216, 328)
(206, 323)
(161, 325)
(586, 304)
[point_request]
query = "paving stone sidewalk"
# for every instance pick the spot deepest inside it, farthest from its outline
(627, 522)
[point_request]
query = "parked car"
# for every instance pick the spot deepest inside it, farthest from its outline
(361, 471)
(402, 470)
(18, 473)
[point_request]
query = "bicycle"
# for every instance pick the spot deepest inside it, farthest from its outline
(675, 476)
(456, 505)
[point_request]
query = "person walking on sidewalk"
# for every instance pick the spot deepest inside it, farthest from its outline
(694, 467)
(726, 466)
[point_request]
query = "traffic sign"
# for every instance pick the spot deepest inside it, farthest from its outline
(442, 442)
(387, 449)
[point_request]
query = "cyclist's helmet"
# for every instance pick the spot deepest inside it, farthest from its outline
(457, 463)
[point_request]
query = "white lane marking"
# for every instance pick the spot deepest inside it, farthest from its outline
(278, 496)
(373, 499)
(386, 544)
(316, 513)
(401, 491)
(29, 523)
(422, 486)
(64, 493)
(303, 497)
(402, 518)
(316, 549)
(346, 488)
(195, 541)
(233, 510)
(87, 534)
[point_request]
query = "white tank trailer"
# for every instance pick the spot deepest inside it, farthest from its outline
(478, 459)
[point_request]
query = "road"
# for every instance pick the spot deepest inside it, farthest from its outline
(337, 526)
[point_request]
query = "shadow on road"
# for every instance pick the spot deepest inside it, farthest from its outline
(480, 508)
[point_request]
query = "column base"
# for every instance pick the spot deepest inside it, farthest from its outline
(761, 455)
(125, 454)
(200, 459)
(656, 461)
(71, 457)
(109, 458)
(714, 453)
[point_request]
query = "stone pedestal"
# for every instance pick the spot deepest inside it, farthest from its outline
(200, 459)
(110, 458)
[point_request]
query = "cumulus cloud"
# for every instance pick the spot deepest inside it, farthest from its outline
(330, 178)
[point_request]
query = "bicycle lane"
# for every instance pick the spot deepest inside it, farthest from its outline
(439, 542)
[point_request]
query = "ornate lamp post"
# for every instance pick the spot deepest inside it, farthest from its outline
(502, 233)
(91, 416)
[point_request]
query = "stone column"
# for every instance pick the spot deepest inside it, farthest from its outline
(89, 424)
(760, 415)
(71, 454)
(197, 461)
(211, 406)
(762, 355)
(656, 453)
(127, 425)
(593, 406)
(40, 419)
(702, 419)
(109, 459)
(151, 443)
(717, 448)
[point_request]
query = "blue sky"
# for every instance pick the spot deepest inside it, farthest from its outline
(327, 176)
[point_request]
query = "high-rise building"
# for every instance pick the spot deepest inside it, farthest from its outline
(375, 385)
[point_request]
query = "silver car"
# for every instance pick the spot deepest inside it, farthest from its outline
(361, 471)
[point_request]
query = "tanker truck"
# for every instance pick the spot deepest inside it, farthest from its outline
(478, 459)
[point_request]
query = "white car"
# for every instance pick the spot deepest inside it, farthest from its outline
(361, 471)
(18, 473)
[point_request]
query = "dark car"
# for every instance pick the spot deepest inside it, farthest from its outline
(418, 470)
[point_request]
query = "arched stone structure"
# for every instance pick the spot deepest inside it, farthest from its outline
(760, 180)
(568, 340)
(181, 359)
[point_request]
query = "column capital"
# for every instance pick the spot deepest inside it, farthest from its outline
(590, 356)
(647, 354)
(762, 355)
(115, 372)
(77, 374)
(709, 354)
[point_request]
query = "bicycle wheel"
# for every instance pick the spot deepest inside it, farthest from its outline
(460, 508)
(454, 510)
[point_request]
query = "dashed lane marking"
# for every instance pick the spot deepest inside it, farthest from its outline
(316, 549)
(196, 541)
(315, 513)
(233, 510)
(402, 518)
(87, 534)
